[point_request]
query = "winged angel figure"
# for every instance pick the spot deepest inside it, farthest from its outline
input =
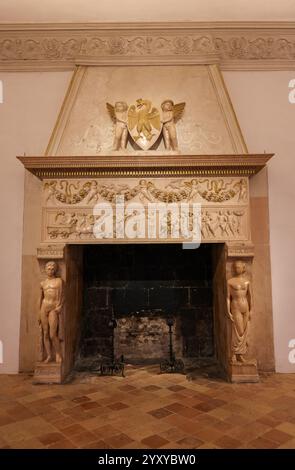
(118, 114)
(171, 113)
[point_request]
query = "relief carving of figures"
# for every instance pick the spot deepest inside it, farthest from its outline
(71, 224)
(50, 192)
(92, 194)
(239, 310)
(145, 194)
(220, 191)
(241, 188)
(50, 317)
(66, 192)
(223, 224)
(207, 227)
(214, 190)
(85, 225)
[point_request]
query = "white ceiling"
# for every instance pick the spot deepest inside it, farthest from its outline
(30, 11)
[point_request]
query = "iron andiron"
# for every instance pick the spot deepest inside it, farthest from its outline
(112, 366)
(171, 365)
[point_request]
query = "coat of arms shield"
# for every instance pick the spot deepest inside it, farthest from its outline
(144, 123)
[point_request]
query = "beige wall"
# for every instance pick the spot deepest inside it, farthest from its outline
(27, 116)
(153, 10)
(31, 103)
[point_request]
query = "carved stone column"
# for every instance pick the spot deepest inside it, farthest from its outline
(239, 309)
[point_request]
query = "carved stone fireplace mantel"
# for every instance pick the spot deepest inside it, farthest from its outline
(114, 164)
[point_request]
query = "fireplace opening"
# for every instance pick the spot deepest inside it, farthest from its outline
(142, 286)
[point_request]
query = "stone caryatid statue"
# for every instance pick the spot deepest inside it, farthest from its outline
(118, 114)
(50, 315)
(171, 113)
(239, 307)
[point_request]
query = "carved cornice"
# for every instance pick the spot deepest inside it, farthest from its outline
(234, 45)
(152, 165)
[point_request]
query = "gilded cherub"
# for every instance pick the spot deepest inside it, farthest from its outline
(118, 114)
(171, 113)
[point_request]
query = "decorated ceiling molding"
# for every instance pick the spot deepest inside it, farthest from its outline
(233, 45)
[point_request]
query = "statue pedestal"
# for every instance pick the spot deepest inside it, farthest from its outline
(240, 372)
(49, 373)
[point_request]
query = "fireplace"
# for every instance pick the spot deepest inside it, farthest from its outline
(144, 281)
(144, 285)
(144, 276)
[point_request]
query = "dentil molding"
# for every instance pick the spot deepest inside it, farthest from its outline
(234, 45)
(151, 164)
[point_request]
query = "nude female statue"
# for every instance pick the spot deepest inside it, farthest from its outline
(51, 303)
(239, 307)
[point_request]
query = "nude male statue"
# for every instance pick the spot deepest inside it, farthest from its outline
(51, 303)
(239, 307)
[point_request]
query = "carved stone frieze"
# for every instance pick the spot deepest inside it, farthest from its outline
(259, 47)
(217, 224)
(73, 208)
(71, 46)
(203, 190)
(224, 224)
(233, 45)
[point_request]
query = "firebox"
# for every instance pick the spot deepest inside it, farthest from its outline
(142, 286)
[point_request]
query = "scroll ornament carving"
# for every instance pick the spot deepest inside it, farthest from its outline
(68, 47)
(210, 190)
(71, 47)
(258, 48)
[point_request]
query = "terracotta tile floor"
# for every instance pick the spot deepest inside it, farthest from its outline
(147, 410)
